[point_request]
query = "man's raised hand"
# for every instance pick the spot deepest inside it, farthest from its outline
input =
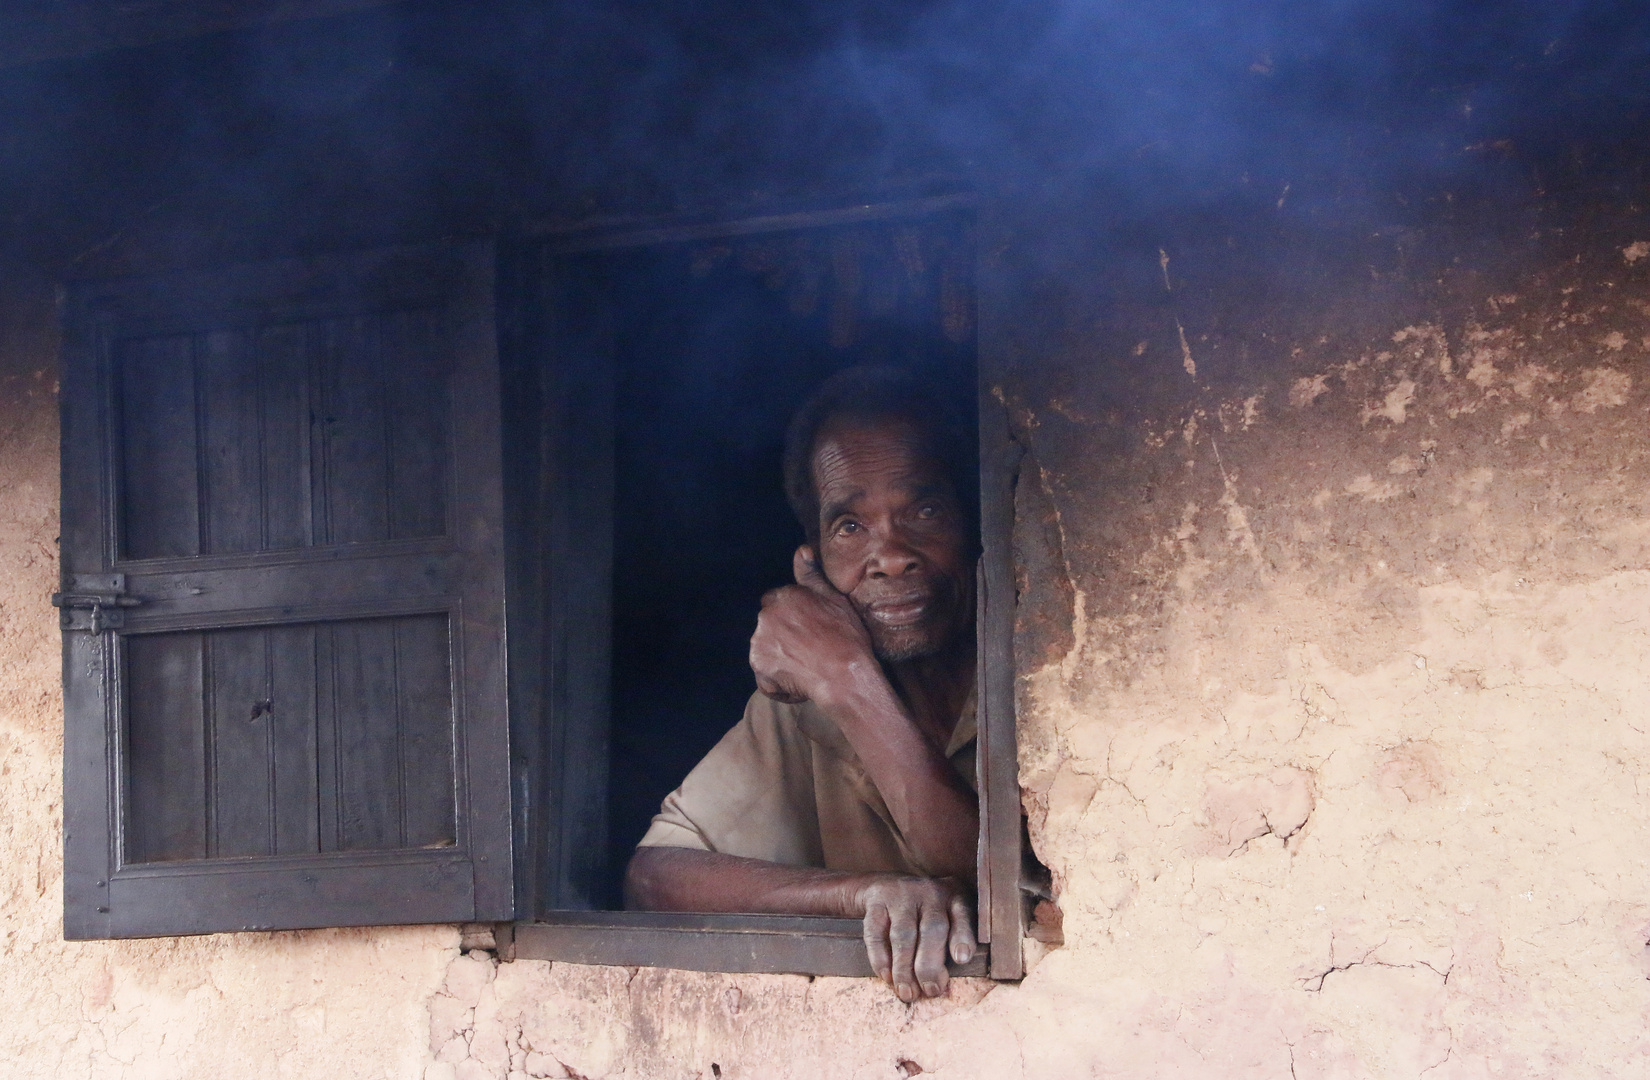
(808, 636)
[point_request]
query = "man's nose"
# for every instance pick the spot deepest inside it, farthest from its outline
(892, 556)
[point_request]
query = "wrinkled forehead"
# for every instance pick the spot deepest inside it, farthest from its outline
(857, 453)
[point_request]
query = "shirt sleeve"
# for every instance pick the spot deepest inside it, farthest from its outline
(751, 796)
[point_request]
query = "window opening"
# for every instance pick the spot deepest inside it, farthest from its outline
(650, 375)
(716, 344)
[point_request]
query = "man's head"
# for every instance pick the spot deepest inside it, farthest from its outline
(881, 475)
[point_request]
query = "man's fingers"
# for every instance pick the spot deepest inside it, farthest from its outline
(911, 926)
(876, 942)
(761, 668)
(777, 692)
(805, 567)
(962, 930)
(903, 932)
(933, 931)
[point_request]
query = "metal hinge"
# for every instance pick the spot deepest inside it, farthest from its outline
(94, 602)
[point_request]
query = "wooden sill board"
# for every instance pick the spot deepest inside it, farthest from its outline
(742, 944)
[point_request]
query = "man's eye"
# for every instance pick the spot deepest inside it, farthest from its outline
(847, 528)
(928, 511)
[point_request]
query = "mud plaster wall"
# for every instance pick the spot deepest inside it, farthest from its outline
(1333, 717)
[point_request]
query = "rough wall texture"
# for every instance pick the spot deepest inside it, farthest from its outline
(1334, 733)
(1340, 765)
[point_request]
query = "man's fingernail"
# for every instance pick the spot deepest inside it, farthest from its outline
(964, 955)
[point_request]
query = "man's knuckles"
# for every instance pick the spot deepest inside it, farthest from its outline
(935, 921)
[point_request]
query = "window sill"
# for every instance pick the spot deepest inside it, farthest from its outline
(741, 944)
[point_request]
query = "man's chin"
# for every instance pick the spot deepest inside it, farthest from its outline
(907, 643)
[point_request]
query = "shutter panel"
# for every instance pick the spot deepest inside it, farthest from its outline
(283, 598)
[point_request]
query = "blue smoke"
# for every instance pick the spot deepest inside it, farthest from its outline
(430, 116)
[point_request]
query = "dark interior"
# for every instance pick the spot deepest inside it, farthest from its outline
(716, 346)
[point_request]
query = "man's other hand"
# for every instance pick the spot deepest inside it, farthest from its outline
(911, 924)
(807, 636)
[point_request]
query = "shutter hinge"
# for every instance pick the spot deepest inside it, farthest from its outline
(94, 602)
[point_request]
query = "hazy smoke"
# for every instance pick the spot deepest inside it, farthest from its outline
(426, 115)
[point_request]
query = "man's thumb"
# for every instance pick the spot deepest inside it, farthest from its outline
(808, 574)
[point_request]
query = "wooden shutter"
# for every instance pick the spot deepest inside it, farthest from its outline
(283, 598)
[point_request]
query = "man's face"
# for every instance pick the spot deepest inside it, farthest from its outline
(892, 537)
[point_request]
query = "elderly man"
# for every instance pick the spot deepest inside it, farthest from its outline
(847, 788)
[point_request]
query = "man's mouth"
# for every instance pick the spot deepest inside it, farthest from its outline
(898, 611)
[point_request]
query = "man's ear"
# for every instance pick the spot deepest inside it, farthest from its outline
(809, 574)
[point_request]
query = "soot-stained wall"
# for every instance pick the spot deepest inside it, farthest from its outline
(1330, 525)
(1332, 695)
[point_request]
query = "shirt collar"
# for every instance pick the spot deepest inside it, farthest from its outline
(967, 728)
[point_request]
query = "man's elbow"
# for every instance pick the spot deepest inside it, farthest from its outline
(644, 879)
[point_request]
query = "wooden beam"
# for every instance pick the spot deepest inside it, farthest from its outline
(35, 31)
(1002, 906)
(787, 944)
(630, 232)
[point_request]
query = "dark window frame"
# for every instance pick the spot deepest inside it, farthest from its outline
(547, 327)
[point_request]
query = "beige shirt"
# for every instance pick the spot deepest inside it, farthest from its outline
(786, 787)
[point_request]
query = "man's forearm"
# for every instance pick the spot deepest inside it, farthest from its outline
(910, 923)
(687, 879)
(936, 813)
